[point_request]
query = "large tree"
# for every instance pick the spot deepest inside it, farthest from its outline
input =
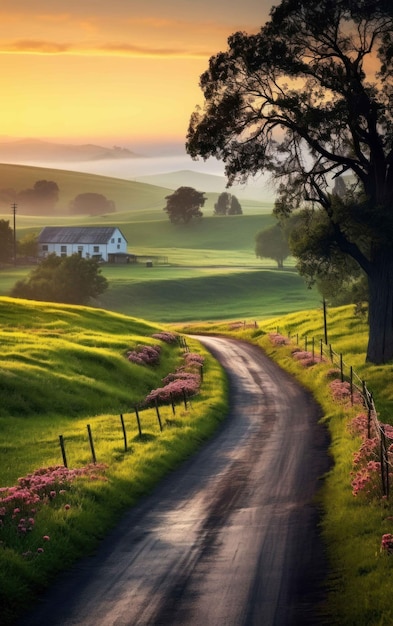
(308, 98)
(184, 204)
(71, 280)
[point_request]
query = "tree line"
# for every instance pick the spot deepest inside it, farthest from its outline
(42, 199)
(186, 203)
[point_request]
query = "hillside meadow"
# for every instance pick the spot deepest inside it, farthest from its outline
(203, 270)
(64, 369)
(142, 199)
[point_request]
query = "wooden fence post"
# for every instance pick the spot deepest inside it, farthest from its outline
(313, 348)
(93, 454)
(124, 432)
(172, 403)
(63, 453)
(138, 421)
(158, 414)
(184, 398)
(382, 445)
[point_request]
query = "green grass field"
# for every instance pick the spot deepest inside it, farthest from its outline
(64, 367)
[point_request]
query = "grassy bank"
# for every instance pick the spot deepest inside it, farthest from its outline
(359, 587)
(64, 368)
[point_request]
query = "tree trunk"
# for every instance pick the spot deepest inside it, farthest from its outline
(380, 282)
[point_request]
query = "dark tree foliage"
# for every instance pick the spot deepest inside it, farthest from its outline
(27, 246)
(92, 204)
(227, 204)
(272, 243)
(41, 200)
(70, 280)
(184, 204)
(235, 208)
(309, 98)
(223, 204)
(6, 242)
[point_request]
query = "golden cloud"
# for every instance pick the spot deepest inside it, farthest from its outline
(34, 46)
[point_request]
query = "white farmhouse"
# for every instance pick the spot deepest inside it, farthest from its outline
(96, 242)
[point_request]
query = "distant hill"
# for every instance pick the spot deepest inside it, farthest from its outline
(127, 195)
(207, 183)
(37, 150)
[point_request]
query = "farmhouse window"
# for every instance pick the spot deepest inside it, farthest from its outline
(44, 247)
(63, 250)
(118, 246)
(80, 250)
(119, 240)
(113, 240)
(96, 248)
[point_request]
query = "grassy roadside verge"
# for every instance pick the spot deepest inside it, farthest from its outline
(359, 587)
(61, 368)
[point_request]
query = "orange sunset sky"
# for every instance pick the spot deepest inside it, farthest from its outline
(115, 71)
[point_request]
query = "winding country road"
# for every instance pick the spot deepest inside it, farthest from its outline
(229, 539)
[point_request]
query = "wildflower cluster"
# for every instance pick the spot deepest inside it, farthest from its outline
(366, 477)
(237, 325)
(306, 358)
(278, 340)
(341, 392)
(186, 379)
(20, 504)
(387, 543)
(166, 336)
(145, 355)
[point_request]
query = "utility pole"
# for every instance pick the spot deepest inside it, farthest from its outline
(14, 206)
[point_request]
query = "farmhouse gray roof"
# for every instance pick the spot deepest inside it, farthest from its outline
(77, 234)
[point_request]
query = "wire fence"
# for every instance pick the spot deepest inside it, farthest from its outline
(375, 428)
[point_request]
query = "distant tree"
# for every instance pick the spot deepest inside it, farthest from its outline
(7, 197)
(227, 204)
(6, 242)
(235, 208)
(90, 203)
(272, 243)
(223, 203)
(28, 245)
(41, 200)
(184, 204)
(71, 280)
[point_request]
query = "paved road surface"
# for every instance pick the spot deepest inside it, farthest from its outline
(228, 540)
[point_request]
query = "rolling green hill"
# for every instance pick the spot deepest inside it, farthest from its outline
(145, 201)
(127, 195)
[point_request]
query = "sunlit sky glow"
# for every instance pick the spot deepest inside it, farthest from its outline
(118, 71)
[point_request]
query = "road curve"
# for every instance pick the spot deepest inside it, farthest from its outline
(229, 539)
